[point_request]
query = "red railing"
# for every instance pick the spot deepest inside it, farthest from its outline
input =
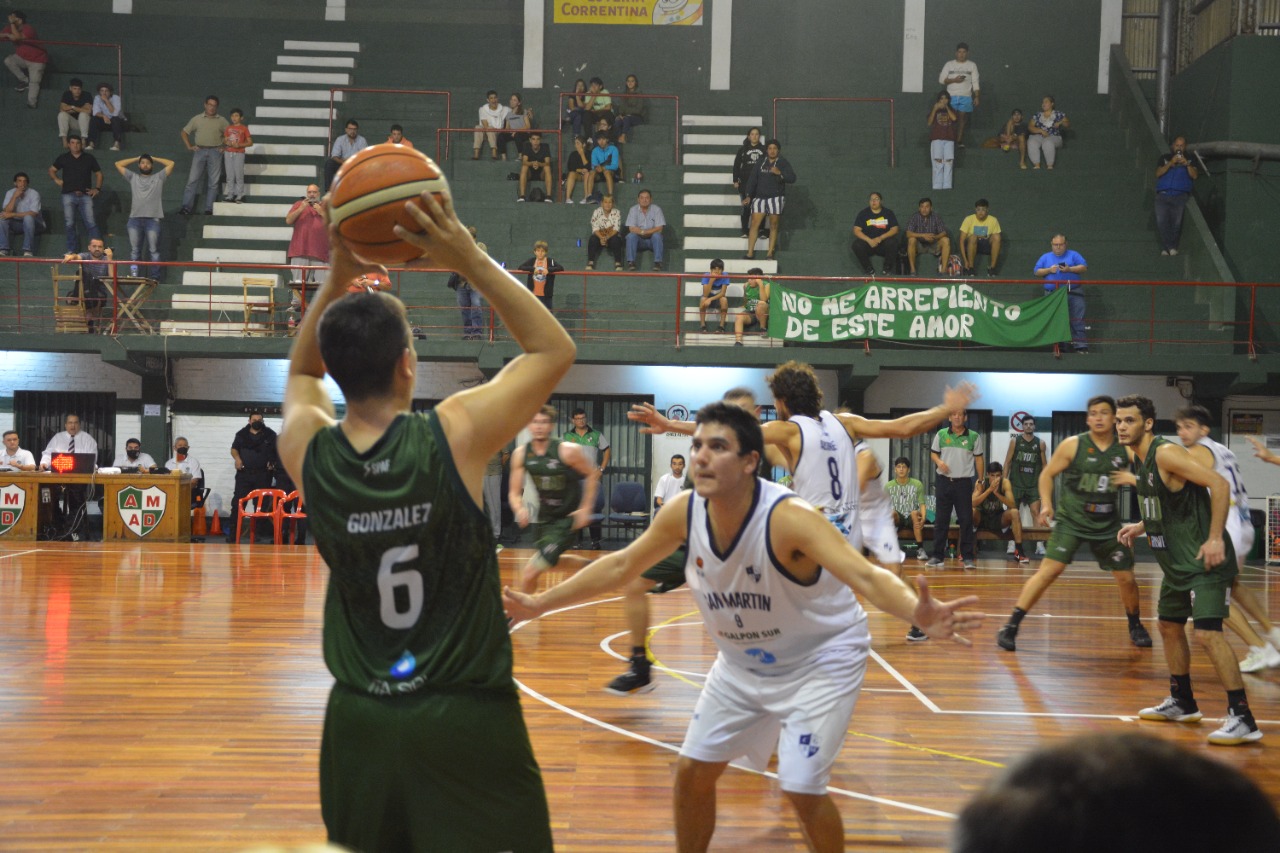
(448, 103)
(893, 140)
(614, 96)
(588, 307)
(555, 182)
(119, 58)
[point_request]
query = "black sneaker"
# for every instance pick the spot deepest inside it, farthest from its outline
(1138, 634)
(631, 682)
(1006, 638)
(184, 211)
(915, 635)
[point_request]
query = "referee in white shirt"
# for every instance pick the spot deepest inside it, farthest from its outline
(69, 500)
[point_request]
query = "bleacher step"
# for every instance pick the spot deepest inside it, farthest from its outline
(725, 160)
(236, 255)
(282, 234)
(730, 139)
(714, 178)
(258, 190)
(196, 278)
(716, 200)
(290, 131)
(317, 61)
(711, 339)
(720, 121)
(323, 46)
(280, 170)
(722, 244)
(713, 220)
(301, 95)
(271, 149)
(321, 113)
(255, 211)
(333, 79)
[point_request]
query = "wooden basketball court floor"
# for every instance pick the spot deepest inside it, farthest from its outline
(170, 698)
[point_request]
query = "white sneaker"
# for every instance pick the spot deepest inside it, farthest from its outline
(1009, 550)
(1040, 549)
(1274, 636)
(115, 147)
(1255, 660)
(1235, 730)
(1271, 656)
(1169, 711)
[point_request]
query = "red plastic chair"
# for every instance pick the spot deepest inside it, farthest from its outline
(292, 516)
(258, 497)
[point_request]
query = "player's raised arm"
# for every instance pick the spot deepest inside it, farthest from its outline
(664, 535)
(1059, 462)
(953, 400)
(479, 421)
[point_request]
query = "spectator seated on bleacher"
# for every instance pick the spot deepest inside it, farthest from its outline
(575, 107)
(493, 117)
(535, 159)
(715, 291)
(597, 103)
(94, 271)
(630, 110)
(576, 168)
(644, 230)
(397, 137)
(606, 163)
(107, 115)
(1046, 133)
(1014, 135)
(519, 121)
(350, 143)
(20, 214)
(28, 59)
(755, 306)
(74, 111)
(606, 233)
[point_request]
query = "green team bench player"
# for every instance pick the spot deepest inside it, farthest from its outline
(1089, 515)
(566, 483)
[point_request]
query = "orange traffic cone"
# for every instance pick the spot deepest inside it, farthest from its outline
(197, 522)
(215, 526)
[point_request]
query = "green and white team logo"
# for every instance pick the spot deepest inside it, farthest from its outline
(141, 509)
(13, 500)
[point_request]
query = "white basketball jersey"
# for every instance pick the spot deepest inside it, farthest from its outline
(762, 619)
(1228, 467)
(875, 500)
(826, 474)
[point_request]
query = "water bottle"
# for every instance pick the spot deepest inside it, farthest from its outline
(638, 178)
(579, 242)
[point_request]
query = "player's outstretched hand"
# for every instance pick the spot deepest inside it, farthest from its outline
(1260, 450)
(654, 422)
(445, 241)
(345, 267)
(944, 620)
(959, 397)
(1130, 532)
(520, 606)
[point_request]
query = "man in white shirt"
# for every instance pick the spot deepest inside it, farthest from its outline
(492, 115)
(183, 461)
(69, 501)
(351, 142)
(961, 78)
(669, 485)
(71, 440)
(133, 457)
(14, 456)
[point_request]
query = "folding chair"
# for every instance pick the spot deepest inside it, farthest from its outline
(630, 505)
(258, 497)
(68, 308)
(259, 305)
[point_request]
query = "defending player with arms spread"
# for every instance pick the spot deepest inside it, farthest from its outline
(1184, 513)
(1089, 515)
(774, 582)
(424, 741)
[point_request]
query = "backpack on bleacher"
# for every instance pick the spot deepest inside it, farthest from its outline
(954, 266)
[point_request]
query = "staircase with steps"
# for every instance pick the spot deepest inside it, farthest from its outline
(712, 219)
(284, 158)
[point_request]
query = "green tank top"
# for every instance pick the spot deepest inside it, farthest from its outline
(750, 297)
(1026, 465)
(1177, 523)
(559, 486)
(1089, 505)
(414, 600)
(991, 506)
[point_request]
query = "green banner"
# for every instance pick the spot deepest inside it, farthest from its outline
(923, 312)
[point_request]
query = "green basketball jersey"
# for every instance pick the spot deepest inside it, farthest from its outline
(559, 486)
(1177, 523)
(991, 506)
(750, 297)
(1089, 505)
(1026, 465)
(414, 600)
(906, 497)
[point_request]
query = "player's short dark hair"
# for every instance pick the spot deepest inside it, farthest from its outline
(75, 81)
(755, 271)
(77, 137)
(17, 175)
(902, 460)
(9, 432)
(362, 336)
(717, 264)
(578, 411)
(923, 200)
(1145, 407)
(773, 141)
(396, 127)
(982, 202)
(236, 111)
(739, 392)
(1196, 413)
(743, 423)
(351, 122)
(596, 80)
(129, 441)
(994, 467)
(493, 92)
(1101, 398)
(796, 385)
(148, 158)
(1117, 792)
(676, 456)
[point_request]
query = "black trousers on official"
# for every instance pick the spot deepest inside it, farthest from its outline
(953, 493)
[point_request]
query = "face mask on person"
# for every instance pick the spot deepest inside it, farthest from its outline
(182, 451)
(132, 452)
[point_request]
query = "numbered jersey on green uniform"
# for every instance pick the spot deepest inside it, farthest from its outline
(1177, 523)
(991, 506)
(1026, 465)
(414, 599)
(1089, 506)
(559, 486)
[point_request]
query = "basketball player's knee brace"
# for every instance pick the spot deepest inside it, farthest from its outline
(1214, 624)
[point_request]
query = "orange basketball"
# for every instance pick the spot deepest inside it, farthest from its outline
(368, 195)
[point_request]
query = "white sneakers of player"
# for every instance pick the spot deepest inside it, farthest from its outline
(1260, 657)
(1169, 711)
(1235, 730)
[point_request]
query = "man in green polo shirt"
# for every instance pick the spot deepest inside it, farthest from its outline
(203, 137)
(957, 453)
(595, 447)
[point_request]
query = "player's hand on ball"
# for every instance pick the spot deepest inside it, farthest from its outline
(444, 241)
(344, 266)
(943, 620)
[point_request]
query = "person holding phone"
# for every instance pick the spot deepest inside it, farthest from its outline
(1061, 267)
(1174, 178)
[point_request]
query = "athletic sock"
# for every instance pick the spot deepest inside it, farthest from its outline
(1135, 618)
(639, 660)
(1015, 618)
(1239, 705)
(1180, 690)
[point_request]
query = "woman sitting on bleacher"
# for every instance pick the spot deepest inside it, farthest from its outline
(1046, 133)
